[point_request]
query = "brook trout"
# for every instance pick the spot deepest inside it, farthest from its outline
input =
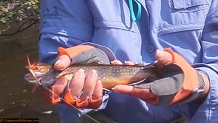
(110, 75)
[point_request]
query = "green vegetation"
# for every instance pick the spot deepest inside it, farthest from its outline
(24, 11)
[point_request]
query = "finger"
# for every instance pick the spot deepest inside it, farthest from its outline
(98, 91)
(163, 57)
(116, 62)
(120, 63)
(59, 86)
(62, 62)
(129, 63)
(89, 85)
(77, 83)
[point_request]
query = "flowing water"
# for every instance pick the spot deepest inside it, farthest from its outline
(16, 99)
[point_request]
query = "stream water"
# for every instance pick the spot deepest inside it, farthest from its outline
(16, 99)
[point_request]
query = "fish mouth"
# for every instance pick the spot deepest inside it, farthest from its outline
(31, 79)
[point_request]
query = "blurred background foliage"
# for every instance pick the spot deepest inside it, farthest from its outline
(23, 12)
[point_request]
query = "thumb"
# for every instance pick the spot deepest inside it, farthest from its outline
(62, 62)
(163, 57)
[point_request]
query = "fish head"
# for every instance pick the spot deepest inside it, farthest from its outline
(36, 71)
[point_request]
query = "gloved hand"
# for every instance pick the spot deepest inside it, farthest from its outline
(83, 91)
(179, 82)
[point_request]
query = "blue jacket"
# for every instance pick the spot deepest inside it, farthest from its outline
(189, 27)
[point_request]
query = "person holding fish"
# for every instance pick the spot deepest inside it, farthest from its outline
(179, 39)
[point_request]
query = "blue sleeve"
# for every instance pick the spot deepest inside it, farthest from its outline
(63, 24)
(207, 111)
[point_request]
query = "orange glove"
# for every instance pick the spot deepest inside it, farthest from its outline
(83, 91)
(179, 83)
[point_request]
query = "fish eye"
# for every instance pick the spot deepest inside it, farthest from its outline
(35, 68)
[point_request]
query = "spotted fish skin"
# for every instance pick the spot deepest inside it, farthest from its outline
(112, 75)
